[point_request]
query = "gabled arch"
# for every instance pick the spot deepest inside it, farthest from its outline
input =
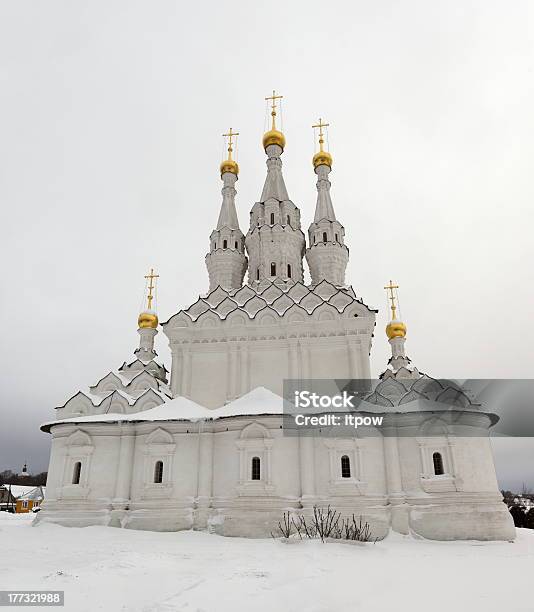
(266, 316)
(180, 319)
(226, 307)
(141, 381)
(79, 403)
(325, 290)
(433, 426)
(115, 403)
(148, 400)
(325, 312)
(254, 305)
(453, 397)
(198, 308)
(254, 431)
(236, 318)
(109, 382)
(208, 319)
(79, 438)
(296, 314)
(160, 436)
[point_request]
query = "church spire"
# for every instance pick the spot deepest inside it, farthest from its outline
(226, 261)
(148, 320)
(327, 255)
(274, 143)
(396, 331)
(275, 242)
(229, 172)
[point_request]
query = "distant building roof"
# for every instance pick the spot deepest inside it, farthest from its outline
(19, 490)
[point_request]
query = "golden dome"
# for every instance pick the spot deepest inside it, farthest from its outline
(229, 165)
(322, 158)
(147, 319)
(274, 137)
(395, 329)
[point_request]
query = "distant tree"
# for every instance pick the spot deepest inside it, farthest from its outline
(529, 519)
(525, 491)
(9, 477)
(518, 514)
(508, 497)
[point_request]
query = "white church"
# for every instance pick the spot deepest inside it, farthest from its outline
(204, 446)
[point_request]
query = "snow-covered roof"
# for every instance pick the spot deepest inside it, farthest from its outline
(258, 401)
(36, 493)
(19, 490)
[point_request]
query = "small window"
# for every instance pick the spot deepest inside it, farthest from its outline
(158, 472)
(25, 504)
(77, 472)
(437, 459)
(314, 240)
(215, 245)
(288, 220)
(273, 269)
(225, 244)
(345, 467)
(236, 245)
(256, 469)
(288, 270)
(257, 274)
(324, 236)
(337, 239)
(272, 218)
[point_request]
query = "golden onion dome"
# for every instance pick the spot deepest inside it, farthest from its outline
(229, 165)
(274, 137)
(395, 329)
(322, 158)
(148, 319)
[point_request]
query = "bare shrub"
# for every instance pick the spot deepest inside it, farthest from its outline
(323, 524)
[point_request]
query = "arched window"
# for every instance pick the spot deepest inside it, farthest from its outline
(272, 218)
(225, 244)
(345, 467)
(324, 236)
(437, 459)
(256, 470)
(273, 269)
(288, 220)
(337, 239)
(288, 270)
(314, 240)
(76, 472)
(257, 274)
(236, 244)
(158, 472)
(215, 245)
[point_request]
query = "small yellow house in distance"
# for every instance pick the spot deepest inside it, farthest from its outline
(31, 500)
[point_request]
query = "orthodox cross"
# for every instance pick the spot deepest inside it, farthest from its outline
(321, 125)
(230, 135)
(151, 286)
(273, 98)
(391, 297)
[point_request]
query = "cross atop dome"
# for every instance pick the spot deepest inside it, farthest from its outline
(229, 164)
(274, 136)
(148, 318)
(395, 328)
(322, 157)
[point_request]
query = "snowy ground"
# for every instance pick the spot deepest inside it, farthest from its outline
(103, 568)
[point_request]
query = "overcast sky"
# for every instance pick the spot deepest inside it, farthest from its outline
(111, 115)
